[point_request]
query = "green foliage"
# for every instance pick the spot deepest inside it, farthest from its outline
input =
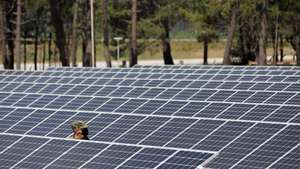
(197, 19)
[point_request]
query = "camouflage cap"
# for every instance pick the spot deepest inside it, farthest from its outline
(79, 125)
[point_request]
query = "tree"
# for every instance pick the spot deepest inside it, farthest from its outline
(206, 38)
(105, 24)
(133, 44)
(262, 58)
(290, 25)
(74, 35)
(9, 27)
(166, 42)
(246, 46)
(7, 61)
(231, 29)
(204, 17)
(56, 19)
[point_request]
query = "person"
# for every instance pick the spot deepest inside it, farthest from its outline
(80, 130)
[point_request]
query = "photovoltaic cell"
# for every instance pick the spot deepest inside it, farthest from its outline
(235, 111)
(116, 129)
(291, 160)
(50, 123)
(168, 93)
(191, 109)
(111, 105)
(220, 95)
(45, 154)
(59, 102)
(259, 97)
(272, 149)
(212, 110)
(93, 104)
(167, 132)
(294, 100)
(78, 155)
(202, 95)
(169, 108)
(242, 146)
(195, 133)
(185, 94)
(185, 159)
(136, 92)
(130, 105)
(112, 157)
(30, 121)
(12, 99)
(149, 107)
(151, 93)
(27, 100)
(240, 96)
(19, 151)
(259, 112)
(280, 98)
(224, 135)
(283, 114)
(142, 130)
(147, 158)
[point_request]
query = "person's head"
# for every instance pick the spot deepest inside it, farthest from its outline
(80, 130)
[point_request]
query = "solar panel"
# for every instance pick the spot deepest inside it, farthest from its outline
(151, 117)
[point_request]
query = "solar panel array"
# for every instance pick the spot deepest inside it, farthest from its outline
(152, 117)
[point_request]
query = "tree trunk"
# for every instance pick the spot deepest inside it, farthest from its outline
(74, 35)
(205, 51)
(167, 55)
(44, 50)
(275, 54)
(297, 49)
(25, 49)
(7, 43)
(92, 43)
(57, 22)
(86, 37)
(231, 29)
(105, 24)
(133, 47)
(87, 57)
(18, 35)
(262, 58)
(36, 44)
(49, 48)
(3, 39)
(281, 48)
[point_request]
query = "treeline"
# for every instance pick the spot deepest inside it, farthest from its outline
(248, 26)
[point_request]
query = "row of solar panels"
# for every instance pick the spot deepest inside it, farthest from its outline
(216, 110)
(235, 141)
(219, 131)
(208, 67)
(43, 152)
(289, 96)
(128, 129)
(10, 82)
(235, 96)
(165, 71)
(157, 77)
(223, 67)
